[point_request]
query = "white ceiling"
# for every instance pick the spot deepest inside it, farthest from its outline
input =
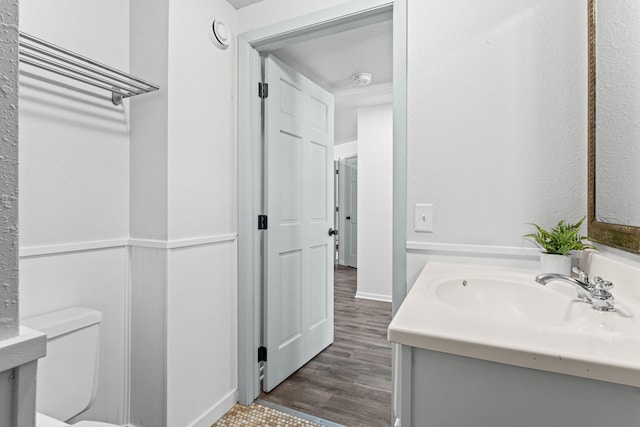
(332, 60)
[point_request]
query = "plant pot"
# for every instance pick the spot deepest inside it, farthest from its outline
(554, 263)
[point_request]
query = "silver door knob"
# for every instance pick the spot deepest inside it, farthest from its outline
(332, 232)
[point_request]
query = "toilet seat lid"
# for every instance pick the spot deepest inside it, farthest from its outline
(43, 420)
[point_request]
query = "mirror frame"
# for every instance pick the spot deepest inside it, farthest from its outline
(615, 235)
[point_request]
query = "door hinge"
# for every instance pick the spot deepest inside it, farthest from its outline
(262, 222)
(337, 172)
(263, 90)
(262, 354)
(337, 209)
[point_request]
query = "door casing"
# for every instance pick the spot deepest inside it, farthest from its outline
(349, 15)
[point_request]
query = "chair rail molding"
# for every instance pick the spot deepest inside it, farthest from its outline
(93, 245)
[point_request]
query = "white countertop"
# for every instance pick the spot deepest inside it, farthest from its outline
(597, 345)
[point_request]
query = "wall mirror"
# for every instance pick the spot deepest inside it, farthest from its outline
(614, 123)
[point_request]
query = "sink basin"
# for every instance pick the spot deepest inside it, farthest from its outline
(502, 315)
(514, 298)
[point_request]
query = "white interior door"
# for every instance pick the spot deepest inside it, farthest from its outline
(299, 200)
(351, 212)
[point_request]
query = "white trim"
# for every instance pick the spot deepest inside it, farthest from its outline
(183, 243)
(149, 243)
(20, 354)
(400, 126)
(126, 396)
(216, 412)
(373, 297)
(197, 241)
(33, 251)
(27, 346)
(449, 248)
(348, 15)
(319, 23)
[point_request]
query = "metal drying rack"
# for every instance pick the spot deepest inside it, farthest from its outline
(47, 56)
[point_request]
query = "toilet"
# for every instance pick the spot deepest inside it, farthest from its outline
(67, 380)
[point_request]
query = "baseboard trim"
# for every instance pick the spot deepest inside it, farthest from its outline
(484, 250)
(373, 297)
(216, 412)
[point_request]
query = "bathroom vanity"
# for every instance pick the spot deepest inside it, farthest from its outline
(489, 347)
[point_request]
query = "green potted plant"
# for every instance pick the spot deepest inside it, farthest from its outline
(557, 244)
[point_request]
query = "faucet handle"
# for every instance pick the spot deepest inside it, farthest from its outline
(582, 276)
(601, 285)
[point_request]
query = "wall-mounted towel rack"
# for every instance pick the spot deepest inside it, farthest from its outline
(47, 56)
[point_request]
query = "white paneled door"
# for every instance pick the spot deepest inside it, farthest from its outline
(350, 235)
(299, 199)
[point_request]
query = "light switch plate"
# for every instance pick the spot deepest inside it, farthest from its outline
(423, 218)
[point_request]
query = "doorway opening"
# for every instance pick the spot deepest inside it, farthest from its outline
(312, 104)
(250, 241)
(347, 211)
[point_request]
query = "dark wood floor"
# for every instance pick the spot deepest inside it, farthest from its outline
(350, 381)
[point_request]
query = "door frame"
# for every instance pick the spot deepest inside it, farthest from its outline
(349, 15)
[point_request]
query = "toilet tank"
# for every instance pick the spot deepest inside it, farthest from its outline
(68, 376)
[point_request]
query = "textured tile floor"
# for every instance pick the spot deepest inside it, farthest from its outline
(260, 416)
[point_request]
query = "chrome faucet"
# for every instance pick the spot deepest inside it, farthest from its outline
(595, 293)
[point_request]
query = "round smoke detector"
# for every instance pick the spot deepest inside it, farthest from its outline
(361, 79)
(219, 33)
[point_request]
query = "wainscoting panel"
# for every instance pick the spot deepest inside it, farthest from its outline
(201, 333)
(97, 279)
(148, 336)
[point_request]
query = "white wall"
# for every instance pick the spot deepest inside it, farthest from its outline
(375, 179)
(497, 115)
(497, 131)
(74, 159)
(179, 151)
(202, 158)
(201, 286)
(348, 149)
(183, 217)
(267, 12)
(149, 27)
(74, 183)
(202, 377)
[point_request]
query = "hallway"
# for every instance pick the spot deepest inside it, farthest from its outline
(350, 381)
